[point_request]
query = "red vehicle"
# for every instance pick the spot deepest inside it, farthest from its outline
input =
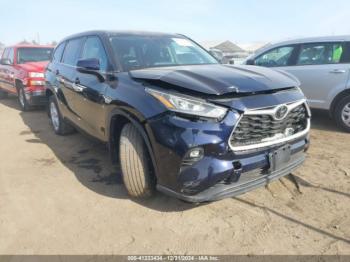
(22, 73)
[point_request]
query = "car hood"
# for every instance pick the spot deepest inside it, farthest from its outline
(34, 66)
(218, 79)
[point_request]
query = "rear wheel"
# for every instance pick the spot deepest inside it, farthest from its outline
(342, 113)
(60, 126)
(135, 164)
(3, 94)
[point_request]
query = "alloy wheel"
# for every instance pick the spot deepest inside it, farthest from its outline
(54, 116)
(21, 97)
(346, 114)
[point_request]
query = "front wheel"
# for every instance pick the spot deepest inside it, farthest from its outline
(59, 124)
(22, 100)
(135, 164)
(342, 113)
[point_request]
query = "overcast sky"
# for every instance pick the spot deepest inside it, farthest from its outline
(203, 20)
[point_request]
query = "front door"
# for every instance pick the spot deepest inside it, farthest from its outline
(66, 75)
(90, 101)
(3, 68)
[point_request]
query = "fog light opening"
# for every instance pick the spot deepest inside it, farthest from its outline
(192, 156)
(236, 173)
(237, 166)
(196, 153)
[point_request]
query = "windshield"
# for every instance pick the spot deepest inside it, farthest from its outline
(135, 52)
(28, 54)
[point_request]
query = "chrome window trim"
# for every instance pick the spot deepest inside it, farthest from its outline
(271, 112)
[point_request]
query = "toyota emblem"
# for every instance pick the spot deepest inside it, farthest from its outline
(281, 112)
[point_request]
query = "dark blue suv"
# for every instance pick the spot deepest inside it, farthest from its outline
(173, 117)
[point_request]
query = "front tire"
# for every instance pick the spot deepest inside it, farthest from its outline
(22, 100)
(135, 163)
(60, 126)
(342, 113)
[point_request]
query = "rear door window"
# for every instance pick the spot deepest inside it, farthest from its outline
(72, 51)
(320, 53)
(279, 56)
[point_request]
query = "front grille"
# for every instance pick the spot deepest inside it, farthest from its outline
(255, 128)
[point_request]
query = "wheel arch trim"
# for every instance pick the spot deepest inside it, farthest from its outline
(112, 143)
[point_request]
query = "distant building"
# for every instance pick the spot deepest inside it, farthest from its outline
(24, 42)
(231, 51)
(254, 46)
(228, 48)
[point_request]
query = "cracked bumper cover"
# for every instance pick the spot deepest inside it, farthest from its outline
(221, 190)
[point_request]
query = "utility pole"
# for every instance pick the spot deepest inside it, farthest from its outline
(38, 38)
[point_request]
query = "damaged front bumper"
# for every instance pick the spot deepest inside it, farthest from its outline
(218, 172)
(241, 182)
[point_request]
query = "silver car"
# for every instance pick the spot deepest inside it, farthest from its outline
(322, 64)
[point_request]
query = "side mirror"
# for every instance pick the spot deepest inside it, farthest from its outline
(250, 62)
(5, 61)
(90, 66)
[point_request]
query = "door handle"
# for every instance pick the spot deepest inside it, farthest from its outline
(338, 71)
(60, 79)
(78, 88)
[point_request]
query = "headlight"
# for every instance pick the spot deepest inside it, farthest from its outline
(36, 74)
(187, 105)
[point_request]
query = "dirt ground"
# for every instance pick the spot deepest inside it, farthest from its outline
(60, 195)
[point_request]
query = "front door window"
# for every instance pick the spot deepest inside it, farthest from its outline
(276, 57)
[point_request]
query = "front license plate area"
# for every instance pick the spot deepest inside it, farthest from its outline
(279, 158)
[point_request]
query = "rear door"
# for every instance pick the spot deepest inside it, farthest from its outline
(89, 102)
(322, 71)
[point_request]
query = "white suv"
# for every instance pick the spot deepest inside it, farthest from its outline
(321, 64)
